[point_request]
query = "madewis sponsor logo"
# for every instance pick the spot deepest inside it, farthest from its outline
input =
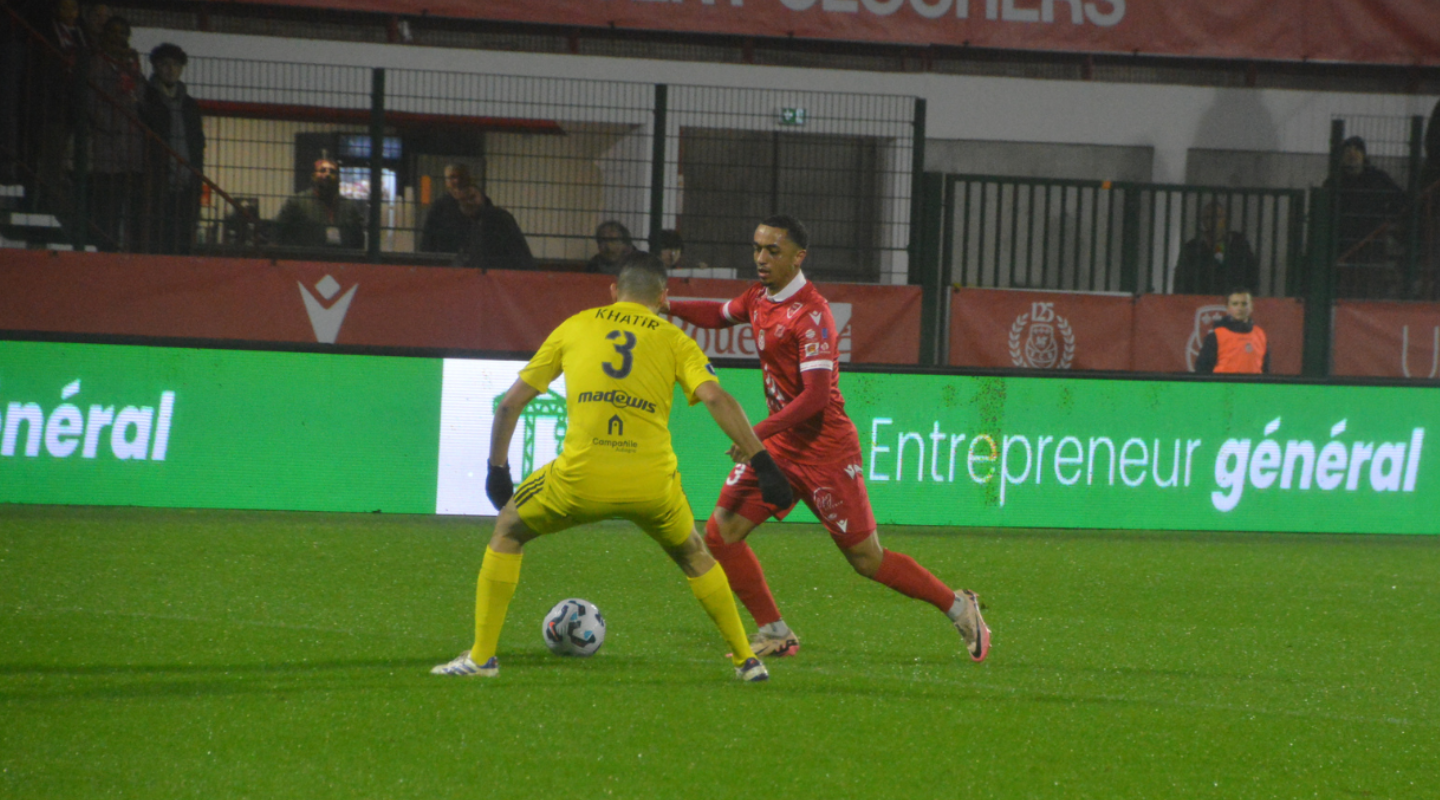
(131, 433)
(326, 320)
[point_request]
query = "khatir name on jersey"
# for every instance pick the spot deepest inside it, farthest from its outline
(647, 321)
(617, 398)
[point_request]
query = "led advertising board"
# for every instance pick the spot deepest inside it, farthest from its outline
(107, 424)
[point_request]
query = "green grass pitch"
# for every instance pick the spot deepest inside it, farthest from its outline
(220, 654)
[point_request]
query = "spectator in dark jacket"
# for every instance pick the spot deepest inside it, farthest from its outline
(1366, 198)
(172, 188)
(492, 237)
(615, 245)
(1216, 259)
(445, 225)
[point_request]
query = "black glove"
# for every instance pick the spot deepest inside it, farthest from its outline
(498, 485)
(774, 486)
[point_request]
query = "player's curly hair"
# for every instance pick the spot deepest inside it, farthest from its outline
(642, 277)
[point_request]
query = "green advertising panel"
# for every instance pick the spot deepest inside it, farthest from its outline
(109, 424)
(1111, 453)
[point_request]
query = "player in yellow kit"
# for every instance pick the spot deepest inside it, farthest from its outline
(621, 363)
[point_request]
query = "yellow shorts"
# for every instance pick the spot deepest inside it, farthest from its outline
(548, 505)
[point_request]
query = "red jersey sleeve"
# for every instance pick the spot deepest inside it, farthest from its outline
(816, 340)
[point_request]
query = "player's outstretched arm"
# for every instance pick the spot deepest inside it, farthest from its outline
(700, 313)
(499, 486)
(774, 486)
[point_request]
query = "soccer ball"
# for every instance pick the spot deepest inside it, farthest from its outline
(574, 627)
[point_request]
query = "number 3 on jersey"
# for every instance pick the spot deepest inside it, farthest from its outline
(626, 351)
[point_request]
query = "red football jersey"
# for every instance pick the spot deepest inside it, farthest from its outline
(795, 333)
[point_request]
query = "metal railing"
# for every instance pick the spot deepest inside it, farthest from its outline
(560, 155)
(1073, 235)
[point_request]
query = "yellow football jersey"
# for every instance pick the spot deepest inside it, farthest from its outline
(621, 363)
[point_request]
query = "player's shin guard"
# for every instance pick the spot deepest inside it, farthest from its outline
(745, 575)
(499, 573)
(713, 592)
(901, 573)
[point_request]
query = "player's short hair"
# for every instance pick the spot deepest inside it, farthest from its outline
(170, 51)
(794, 228)
(1234, 290)
(642, 277)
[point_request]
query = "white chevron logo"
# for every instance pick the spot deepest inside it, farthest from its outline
(326, 320)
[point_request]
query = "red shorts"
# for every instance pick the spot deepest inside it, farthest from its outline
(834, 492)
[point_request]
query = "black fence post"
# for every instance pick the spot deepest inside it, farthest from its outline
(377, 161)
(1130, 221)
(1319, 291)
(80, 202)
(1412, 221)
(926, 267)
(657, 165)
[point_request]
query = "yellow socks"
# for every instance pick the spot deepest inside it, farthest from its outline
(713, 591)
(499, 573)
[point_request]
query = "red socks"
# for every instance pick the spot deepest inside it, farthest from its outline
(901, 573)
(746, 578)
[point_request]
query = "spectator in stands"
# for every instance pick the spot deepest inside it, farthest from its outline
(615, 244)
(320, 216)
(445, 225)
(172, 188)
(116, 139)
(51, 104)
(1366, 199)
(671, 249)
(1217, 258)
(492, 238)
(1237, 345)
(92, 20)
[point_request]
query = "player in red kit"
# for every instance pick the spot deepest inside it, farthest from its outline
(813, 442)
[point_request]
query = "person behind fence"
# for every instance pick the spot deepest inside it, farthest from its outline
(1366, 198)
(445, 225)
(320, 216)
(172, 189)
(671, 248)
(1236, 346)
(615, 244)
(492, 237)
(1217, 258)
(116, 139)
(49, 106)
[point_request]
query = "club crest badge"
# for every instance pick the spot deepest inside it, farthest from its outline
(1042, 339)
(1205, 319)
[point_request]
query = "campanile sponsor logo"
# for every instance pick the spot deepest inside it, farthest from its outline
(327, 319)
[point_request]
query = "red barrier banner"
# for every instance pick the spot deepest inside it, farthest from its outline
(377, 305)
(1362, 31)
(1008, 328)
(1378, 339)
(1169, 330)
